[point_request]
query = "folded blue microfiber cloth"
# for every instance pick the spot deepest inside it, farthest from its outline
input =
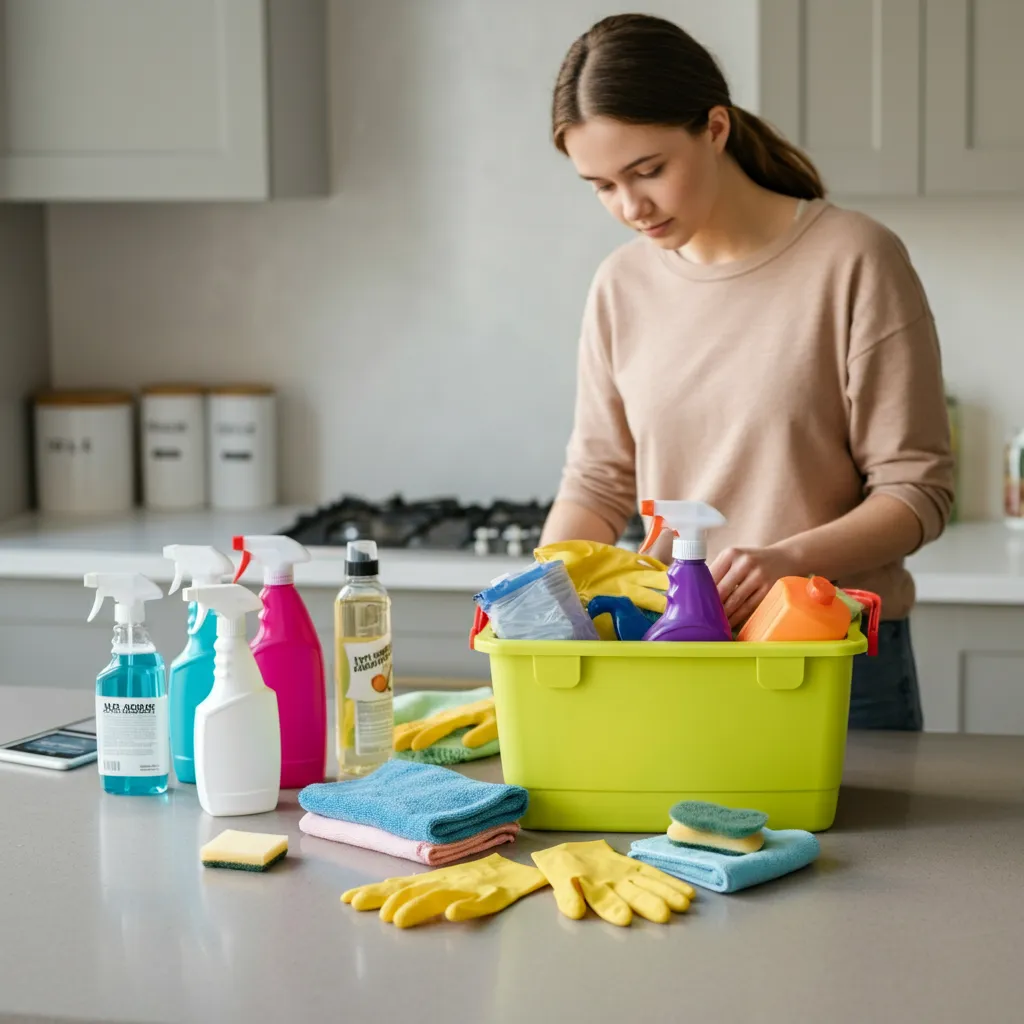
(784, 851)
(418, 801)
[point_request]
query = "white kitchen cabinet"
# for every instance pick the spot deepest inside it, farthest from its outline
(841, 79)
(974, 123)
(162, 99)
(970, 663)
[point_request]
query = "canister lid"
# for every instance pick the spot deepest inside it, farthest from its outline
(241, 389)
(172, 389)
(72, 397)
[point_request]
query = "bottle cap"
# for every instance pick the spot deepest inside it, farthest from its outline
(361, 558)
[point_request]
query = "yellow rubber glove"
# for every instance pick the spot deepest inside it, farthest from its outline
(603, 569)
(460, 892)
(422, 733)
(613, 885)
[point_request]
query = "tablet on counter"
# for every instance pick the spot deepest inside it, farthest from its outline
(62, 748)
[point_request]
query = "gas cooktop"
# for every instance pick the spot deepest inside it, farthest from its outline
(434, 524)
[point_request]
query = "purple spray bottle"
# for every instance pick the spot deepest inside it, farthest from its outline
(694, 611)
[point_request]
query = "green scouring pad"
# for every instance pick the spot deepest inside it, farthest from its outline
(708, 826)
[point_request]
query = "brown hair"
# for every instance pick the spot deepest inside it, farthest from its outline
(640, 69)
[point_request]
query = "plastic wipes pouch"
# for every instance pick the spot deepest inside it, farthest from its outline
(539, 603)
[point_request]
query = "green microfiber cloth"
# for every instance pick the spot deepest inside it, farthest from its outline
(722, 821)
(409, 707)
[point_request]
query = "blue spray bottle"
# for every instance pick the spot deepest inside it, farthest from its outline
(191, 677)
(131, 692)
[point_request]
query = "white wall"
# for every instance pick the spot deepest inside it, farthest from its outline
(421, 324)
(418, 320)
(970, 255)
(23, 344)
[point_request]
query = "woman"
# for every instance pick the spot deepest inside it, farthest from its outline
(757, 348)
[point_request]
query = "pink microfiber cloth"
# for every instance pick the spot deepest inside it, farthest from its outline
(432, 854)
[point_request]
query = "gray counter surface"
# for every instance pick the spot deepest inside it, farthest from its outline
(914, 912)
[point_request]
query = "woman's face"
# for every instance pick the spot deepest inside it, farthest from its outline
(662, 182)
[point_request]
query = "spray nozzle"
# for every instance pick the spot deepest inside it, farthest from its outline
(200, 562)
(130, 591)
(203, 565)
(231, 601)
(688, 520)
(276, 553)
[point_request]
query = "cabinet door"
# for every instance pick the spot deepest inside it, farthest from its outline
(841, 80)
(132, 99)
(974, 96)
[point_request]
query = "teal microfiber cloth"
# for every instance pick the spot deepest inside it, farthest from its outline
(723, 821)
(418, 801)
(784, 851)
(410, 707)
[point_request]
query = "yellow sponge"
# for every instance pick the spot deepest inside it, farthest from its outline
(245, 851)
(714, 841)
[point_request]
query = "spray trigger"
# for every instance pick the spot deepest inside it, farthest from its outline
(655, 532)
(243, 564)
(177, 580)
(96, 605)
(201, 611)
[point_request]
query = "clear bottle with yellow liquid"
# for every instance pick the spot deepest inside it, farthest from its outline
(363, 675)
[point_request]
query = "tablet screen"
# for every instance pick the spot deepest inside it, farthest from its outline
(58, 744)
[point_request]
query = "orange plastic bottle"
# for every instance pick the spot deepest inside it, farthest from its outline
(798, 608)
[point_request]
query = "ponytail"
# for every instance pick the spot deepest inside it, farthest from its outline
(769, 160)
(640, 69)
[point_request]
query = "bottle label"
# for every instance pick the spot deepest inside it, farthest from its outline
(131, 736)
(370, 687)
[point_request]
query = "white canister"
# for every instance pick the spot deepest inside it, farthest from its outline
(173, 430)
(85, 460)
(242, 431)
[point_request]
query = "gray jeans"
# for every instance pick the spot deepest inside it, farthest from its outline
(884, 694)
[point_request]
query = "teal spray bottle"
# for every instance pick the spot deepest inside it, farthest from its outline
(191, 677)
(131, 692)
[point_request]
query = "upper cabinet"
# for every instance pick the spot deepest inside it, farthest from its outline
(899, 97)
(162, 99)
(974, 119)
(841, 79)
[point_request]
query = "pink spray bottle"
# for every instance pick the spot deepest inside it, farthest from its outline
(290, 658)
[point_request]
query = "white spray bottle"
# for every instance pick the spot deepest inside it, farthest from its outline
(237, 731)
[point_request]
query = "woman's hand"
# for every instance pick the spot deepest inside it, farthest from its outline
(745, 575)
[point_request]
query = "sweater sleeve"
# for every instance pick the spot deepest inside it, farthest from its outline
(899, 426)
(600, 468)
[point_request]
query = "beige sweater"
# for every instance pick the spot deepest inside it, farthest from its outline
(782, 388)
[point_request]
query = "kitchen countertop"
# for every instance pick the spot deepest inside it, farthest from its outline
(41, 547)
(913, 912)
(972, 563)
